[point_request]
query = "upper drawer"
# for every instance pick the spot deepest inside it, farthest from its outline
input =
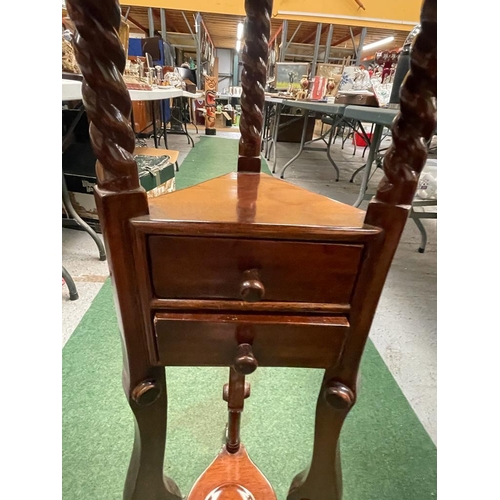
(184, 267)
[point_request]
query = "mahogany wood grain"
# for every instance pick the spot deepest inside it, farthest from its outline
(185, 339)
(119, 198)
(290, 271)
(313, 268)
(241, 306)
(146, 226)
(235, 403)
(388, 210)
(253, 80)
(276, 202)
(232, 476)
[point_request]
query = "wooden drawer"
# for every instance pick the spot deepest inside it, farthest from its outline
(212, 339)
(215, 268)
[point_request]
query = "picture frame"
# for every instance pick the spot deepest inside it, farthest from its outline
(289, 74)
(333, 74)
(333, 71)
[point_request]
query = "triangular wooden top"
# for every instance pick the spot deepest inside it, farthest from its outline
(253, 199)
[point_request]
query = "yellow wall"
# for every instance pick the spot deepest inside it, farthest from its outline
(397, 14)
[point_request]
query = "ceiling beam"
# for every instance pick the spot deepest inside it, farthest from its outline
(138, 24)
(310, 36)
(206, 31)
(271, 40)
(355, 33)
(169, 19)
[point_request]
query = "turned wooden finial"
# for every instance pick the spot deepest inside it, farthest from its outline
(101, 58)
(253, 80)
(416, 122)
(245, 362)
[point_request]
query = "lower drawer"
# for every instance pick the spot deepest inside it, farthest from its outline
(212, 339)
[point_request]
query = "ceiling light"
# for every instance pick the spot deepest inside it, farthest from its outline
(238, 45)
(376, 44)
(239, 31)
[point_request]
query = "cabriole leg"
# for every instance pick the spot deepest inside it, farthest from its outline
(323, 479)
(145, 479)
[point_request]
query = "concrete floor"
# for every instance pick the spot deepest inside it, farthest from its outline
(405, 326)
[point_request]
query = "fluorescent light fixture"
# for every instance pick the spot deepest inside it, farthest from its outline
(336, 16)
(238, 45)
(239, 31)
(380, 42)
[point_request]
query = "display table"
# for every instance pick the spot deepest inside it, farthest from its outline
(334, 111)
(72, 91)
(380, 117)
(183, 108)
(274, 106)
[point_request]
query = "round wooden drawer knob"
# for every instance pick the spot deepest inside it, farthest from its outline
(251, 288)
(245, 362)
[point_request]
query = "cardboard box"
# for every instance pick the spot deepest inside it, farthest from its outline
(156, 175)
(356, 99)
(223, 119)
(291, 128)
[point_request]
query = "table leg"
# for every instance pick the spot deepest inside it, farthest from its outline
(322, 135)
(328, 154)
(417, 216)
(270, 129)
(356, 172)
(163, 124)
(164, 128)
(190, 139)
(269, 136)
(374, 145)
(302, 142)
(423, 233)
(72, 213)
(73, 292)
(179, 126)
(273, 110)
(368, 142)
(263, 134)
(132, 123)
(276, 126)
(192, 114)
(153, 114)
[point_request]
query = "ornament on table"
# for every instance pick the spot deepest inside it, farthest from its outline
(174, 79)
(331, 87)
(292, 75)
(347, 80)
(427, 182)
(361, 79)
(304, 87)
(318, 90)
